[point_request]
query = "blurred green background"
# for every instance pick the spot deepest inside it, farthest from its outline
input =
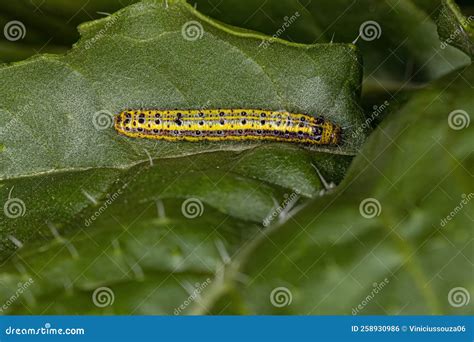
(327, 255)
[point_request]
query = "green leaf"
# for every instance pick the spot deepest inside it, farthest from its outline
(401, 45)
(394, 238)
(53, 22)
(84, 207)
(454, 28)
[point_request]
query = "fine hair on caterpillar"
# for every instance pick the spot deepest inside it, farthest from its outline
(227, 125)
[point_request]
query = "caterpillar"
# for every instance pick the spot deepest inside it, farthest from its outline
(227, 124)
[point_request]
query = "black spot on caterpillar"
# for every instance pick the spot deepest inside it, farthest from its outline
(227, 124)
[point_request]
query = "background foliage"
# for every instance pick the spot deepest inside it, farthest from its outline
(66, 167)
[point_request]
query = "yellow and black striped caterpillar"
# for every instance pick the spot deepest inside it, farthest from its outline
(227, 124)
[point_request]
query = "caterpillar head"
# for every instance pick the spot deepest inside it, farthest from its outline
(331, 134)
